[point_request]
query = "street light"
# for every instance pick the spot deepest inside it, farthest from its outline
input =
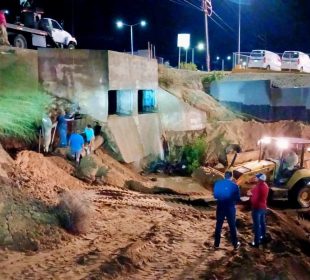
(199, 47)
(223, 61)
(121, 24)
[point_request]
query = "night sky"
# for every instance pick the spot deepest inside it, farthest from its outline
(276, 25)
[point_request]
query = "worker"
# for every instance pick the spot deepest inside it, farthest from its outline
(165, 146)
(90, 137)
(227, 194)
(63, 127)
(3, 33)
(76, 144)
(97, 129)
(259, 195)
(290, 161)
(47, 127)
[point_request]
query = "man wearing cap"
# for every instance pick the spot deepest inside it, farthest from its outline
(259, 195)
(227, 194)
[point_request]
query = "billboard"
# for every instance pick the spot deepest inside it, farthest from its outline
(184, 40)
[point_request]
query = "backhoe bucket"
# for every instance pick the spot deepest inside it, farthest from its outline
(207, 176)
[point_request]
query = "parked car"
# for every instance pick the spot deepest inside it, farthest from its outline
(295, 60)
(265, 60)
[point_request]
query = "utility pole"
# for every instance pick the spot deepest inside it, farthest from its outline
(207, 8)
(239, 32)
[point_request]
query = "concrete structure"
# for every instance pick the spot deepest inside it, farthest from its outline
(260, 99)
(119, 90)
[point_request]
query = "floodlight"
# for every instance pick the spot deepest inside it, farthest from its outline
(264, 140)
(282, 144)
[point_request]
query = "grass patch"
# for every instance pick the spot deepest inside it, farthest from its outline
(21, 113)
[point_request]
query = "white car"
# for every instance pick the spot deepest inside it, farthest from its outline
(265, 60)
(60, 36)
(295, 60)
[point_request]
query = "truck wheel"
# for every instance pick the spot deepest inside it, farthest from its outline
(301, 196)
(20, 42)
(71, 46)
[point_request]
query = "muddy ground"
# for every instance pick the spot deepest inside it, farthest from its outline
(134, 235)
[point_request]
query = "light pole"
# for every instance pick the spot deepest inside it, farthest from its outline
(120, 24)
(239, 32)
(199, 47)
(223, 61)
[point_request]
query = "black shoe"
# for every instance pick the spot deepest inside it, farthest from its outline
(237, 246)
(254, 245)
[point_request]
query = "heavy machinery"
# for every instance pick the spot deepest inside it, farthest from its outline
(31, 30)
(293, 185)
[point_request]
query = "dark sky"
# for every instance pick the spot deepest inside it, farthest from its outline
(276, 25)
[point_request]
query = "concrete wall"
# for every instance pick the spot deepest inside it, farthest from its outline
(259, 99)
(176, 115)
(131, 72)
(136, 137)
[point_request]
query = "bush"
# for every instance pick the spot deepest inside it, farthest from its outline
(207, 80)
(21, 113)
(74, 213)
(188, 66)
(102, 172)
(87, 168)
(194, 154)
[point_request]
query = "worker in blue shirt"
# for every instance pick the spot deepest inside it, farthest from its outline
(76, 144)
(227, 194)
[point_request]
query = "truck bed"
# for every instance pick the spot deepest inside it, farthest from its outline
(26, 29)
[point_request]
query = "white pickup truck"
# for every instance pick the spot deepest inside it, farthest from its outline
(37, 32)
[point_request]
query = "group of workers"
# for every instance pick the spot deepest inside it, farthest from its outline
(227, 193)
(78, 141)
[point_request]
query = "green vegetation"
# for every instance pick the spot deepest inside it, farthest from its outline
(87, 168)
(194, 154)
(21, 113)
(188, 66)
(102, 172)
(207, 80)
(21, 103)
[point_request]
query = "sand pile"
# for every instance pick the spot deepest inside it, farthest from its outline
(45, 177)
(134, 236)
(118, 173)
(187, 86)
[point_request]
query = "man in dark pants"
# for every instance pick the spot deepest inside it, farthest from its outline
(259, 196)
(227, 194)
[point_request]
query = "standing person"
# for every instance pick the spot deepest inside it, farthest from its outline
(97, 129)
(90, 137)
(63, 127)
(259, 195)
(47, 126)
(165, 146)
(3, 33)
(227, 194)
(76, 144)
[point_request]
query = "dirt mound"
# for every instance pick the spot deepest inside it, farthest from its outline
(118, 173)
(187, 86)
(6, 163)
(44, 177)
